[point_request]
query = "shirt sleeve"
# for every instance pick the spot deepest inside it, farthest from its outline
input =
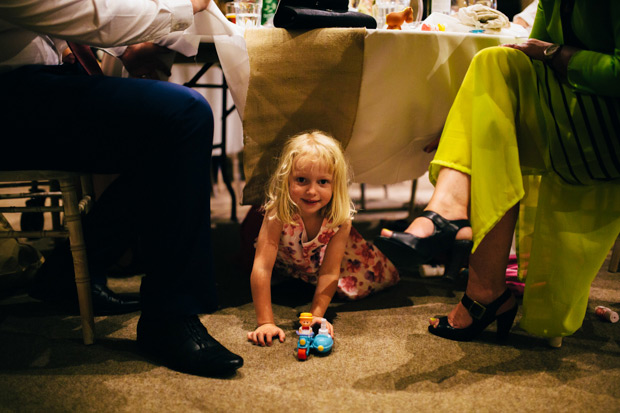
(528, 14)
(539, 28)
(589, 71)
(100, 23)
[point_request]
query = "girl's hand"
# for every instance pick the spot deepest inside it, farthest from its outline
(534, 48)
(330, 327)
(264, 334)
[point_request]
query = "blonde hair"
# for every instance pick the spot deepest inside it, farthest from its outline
(324, 151)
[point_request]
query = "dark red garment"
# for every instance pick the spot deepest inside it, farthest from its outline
(86, 57)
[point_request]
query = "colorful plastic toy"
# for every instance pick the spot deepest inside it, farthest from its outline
(322, 343)
(305, 319)
(396, 19)
(433, 27)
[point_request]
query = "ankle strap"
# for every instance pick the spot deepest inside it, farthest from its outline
(441, 222)
(461, 223)
(477, 310)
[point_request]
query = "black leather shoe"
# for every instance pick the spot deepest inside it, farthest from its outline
(182, 343)
(482, 316)
(408, 252)
(107, 302)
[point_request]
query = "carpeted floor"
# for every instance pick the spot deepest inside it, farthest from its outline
(384, 360)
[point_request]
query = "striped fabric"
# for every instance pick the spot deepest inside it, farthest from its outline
(586, 145)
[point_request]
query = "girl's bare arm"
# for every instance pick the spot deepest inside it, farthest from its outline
(329, 273)
(260, 281)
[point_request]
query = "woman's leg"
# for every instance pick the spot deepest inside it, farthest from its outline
(487, 270)
(487, 266)
(450, 200)
(477, 166)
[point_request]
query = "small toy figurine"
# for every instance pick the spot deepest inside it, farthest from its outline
(305, 319)
(433, 27)
(322, 343)
(396, 19)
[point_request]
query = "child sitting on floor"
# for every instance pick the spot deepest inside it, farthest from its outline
(307, 234)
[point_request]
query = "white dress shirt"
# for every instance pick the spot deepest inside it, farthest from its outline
(30, 31)
(528, 14)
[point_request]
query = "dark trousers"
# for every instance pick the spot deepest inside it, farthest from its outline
(158, 137)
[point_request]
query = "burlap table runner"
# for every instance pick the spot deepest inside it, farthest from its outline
(298, 81)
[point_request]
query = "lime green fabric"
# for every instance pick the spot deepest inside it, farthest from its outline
(574, 229)
(524, 135)
(481, 131)
(596, 24)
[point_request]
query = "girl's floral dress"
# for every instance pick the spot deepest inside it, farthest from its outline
(364, 269)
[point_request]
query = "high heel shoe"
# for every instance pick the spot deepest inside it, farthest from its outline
(482, 316)
(408, 252)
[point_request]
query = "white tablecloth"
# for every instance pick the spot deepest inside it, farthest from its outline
(409, 81)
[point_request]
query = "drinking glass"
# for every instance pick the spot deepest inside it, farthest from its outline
(383, 7)
(248, 13)
(418, 9)
(489, 3)
(231, 13)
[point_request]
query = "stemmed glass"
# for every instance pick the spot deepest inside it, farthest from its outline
(383, 7)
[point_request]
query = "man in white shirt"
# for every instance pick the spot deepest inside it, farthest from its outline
(526, 17)
(156, 135)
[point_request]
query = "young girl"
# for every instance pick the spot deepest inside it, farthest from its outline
(307, 233)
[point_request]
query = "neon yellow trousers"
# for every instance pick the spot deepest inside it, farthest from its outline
(524, 136)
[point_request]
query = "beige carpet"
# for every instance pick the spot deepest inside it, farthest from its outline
(384, 360)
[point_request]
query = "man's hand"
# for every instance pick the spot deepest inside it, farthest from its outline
(200, 5)
(68, 57)
(263, 335)
(142, 60)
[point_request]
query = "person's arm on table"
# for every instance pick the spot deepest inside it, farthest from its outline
(103, 23)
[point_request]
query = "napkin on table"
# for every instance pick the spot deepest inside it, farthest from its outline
(483, 17)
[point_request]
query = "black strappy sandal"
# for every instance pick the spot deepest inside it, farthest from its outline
(408, 252)
(482, 316)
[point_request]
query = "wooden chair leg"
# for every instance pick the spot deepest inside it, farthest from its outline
(414, 186)
(80, 262)
(614, 263)
(87, 185)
